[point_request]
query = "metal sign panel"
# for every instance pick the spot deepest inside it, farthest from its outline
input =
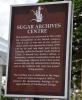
(39, 50)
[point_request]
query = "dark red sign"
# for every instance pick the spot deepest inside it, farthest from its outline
(39, 50)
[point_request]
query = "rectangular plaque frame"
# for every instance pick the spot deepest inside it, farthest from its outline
(67, 55)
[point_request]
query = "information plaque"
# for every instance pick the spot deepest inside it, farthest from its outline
(39, 50)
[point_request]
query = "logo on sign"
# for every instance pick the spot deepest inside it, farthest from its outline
(38, 15)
